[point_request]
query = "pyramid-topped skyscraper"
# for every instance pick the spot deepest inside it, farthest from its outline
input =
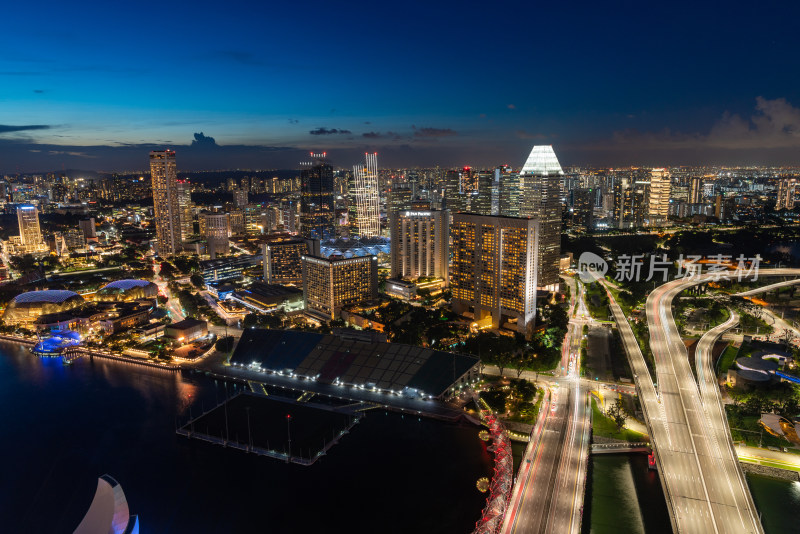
(540, 181)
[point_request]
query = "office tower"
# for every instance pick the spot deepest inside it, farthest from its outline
(696, 190)
(30, 235)
(332, 283)
(283, 261)
(398, 199)
(317, 210)
(237, 222)
(583, 209)
(185, 209)
(629, 202)
(485, 199)
(255, 219)
(786, 194)
(163, 173)
(468, 182)
(494, 269)
(87, 226)
(510, 193)
(658, 198)
(540, 180)
(74, 238)
(419, 244)
(454, 199)
(217, 233)
(240, 198)
(367, 198)
(230, 184)
(246, 184)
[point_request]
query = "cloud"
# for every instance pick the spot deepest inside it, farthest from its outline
(38, 91)
(327, 131)
(511, 106)
(201, 140)
(293, 121)
(433, 132)
(522, 134)
(379, 135)
(6, 128)
(774, 124)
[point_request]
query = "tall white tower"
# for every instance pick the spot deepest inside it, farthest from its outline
(367, 197)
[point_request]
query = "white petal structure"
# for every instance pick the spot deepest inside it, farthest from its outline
(108, 513)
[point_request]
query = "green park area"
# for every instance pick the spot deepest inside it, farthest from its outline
(608, 427)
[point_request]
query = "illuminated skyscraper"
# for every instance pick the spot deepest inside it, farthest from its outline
(367, 198)
(696, 190)
(30, 235)
(419, 244)
(582, 209)
(217, 233)
(540, 180)
(185, 208)
(786, 194)
(317, 210)
(658, 198)
(494, 269)
(240, 198)
(283, 261)
(331, 283)
(165, 201)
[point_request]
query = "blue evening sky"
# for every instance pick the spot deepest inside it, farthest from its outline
(95, 85)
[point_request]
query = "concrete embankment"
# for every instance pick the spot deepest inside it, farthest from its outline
(773, 472)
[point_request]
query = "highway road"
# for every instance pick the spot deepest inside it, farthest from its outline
(702, 467)
(549, 490)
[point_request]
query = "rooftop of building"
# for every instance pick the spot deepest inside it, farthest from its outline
(186, 324)
(124, 285)
(46, 295)
(331, 358)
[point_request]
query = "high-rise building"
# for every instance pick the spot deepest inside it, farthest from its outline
(30, 234)
(540, 179)
(283, 261)
(332, 283)
(317, 209)
(240, 198)
(494, 269)
(399, 198)
(696, 190)
(786, 194)
(629, 202)
(185, 209)
(510, 193)
(237, 222)
(454, 199)
(419, 244)
(164, 175)
(658, 198)
(217, 233)
(367, 198)
(87, 226)
(583, 209)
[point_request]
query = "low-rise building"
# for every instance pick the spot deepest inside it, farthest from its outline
(185, 331)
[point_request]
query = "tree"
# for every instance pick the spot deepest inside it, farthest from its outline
(197, 280)
(502, 360)
(617, 413)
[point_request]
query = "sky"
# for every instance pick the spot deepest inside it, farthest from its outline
(96, 86)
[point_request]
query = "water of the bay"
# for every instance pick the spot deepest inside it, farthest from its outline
(63, 426)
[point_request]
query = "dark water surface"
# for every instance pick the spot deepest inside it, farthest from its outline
(62, 427)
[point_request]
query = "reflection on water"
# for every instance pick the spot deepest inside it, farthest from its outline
(778, 502)
(615, 505)
(62, 427)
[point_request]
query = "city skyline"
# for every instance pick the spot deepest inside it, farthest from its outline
(437, 94)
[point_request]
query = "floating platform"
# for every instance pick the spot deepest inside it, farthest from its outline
(282, 429)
